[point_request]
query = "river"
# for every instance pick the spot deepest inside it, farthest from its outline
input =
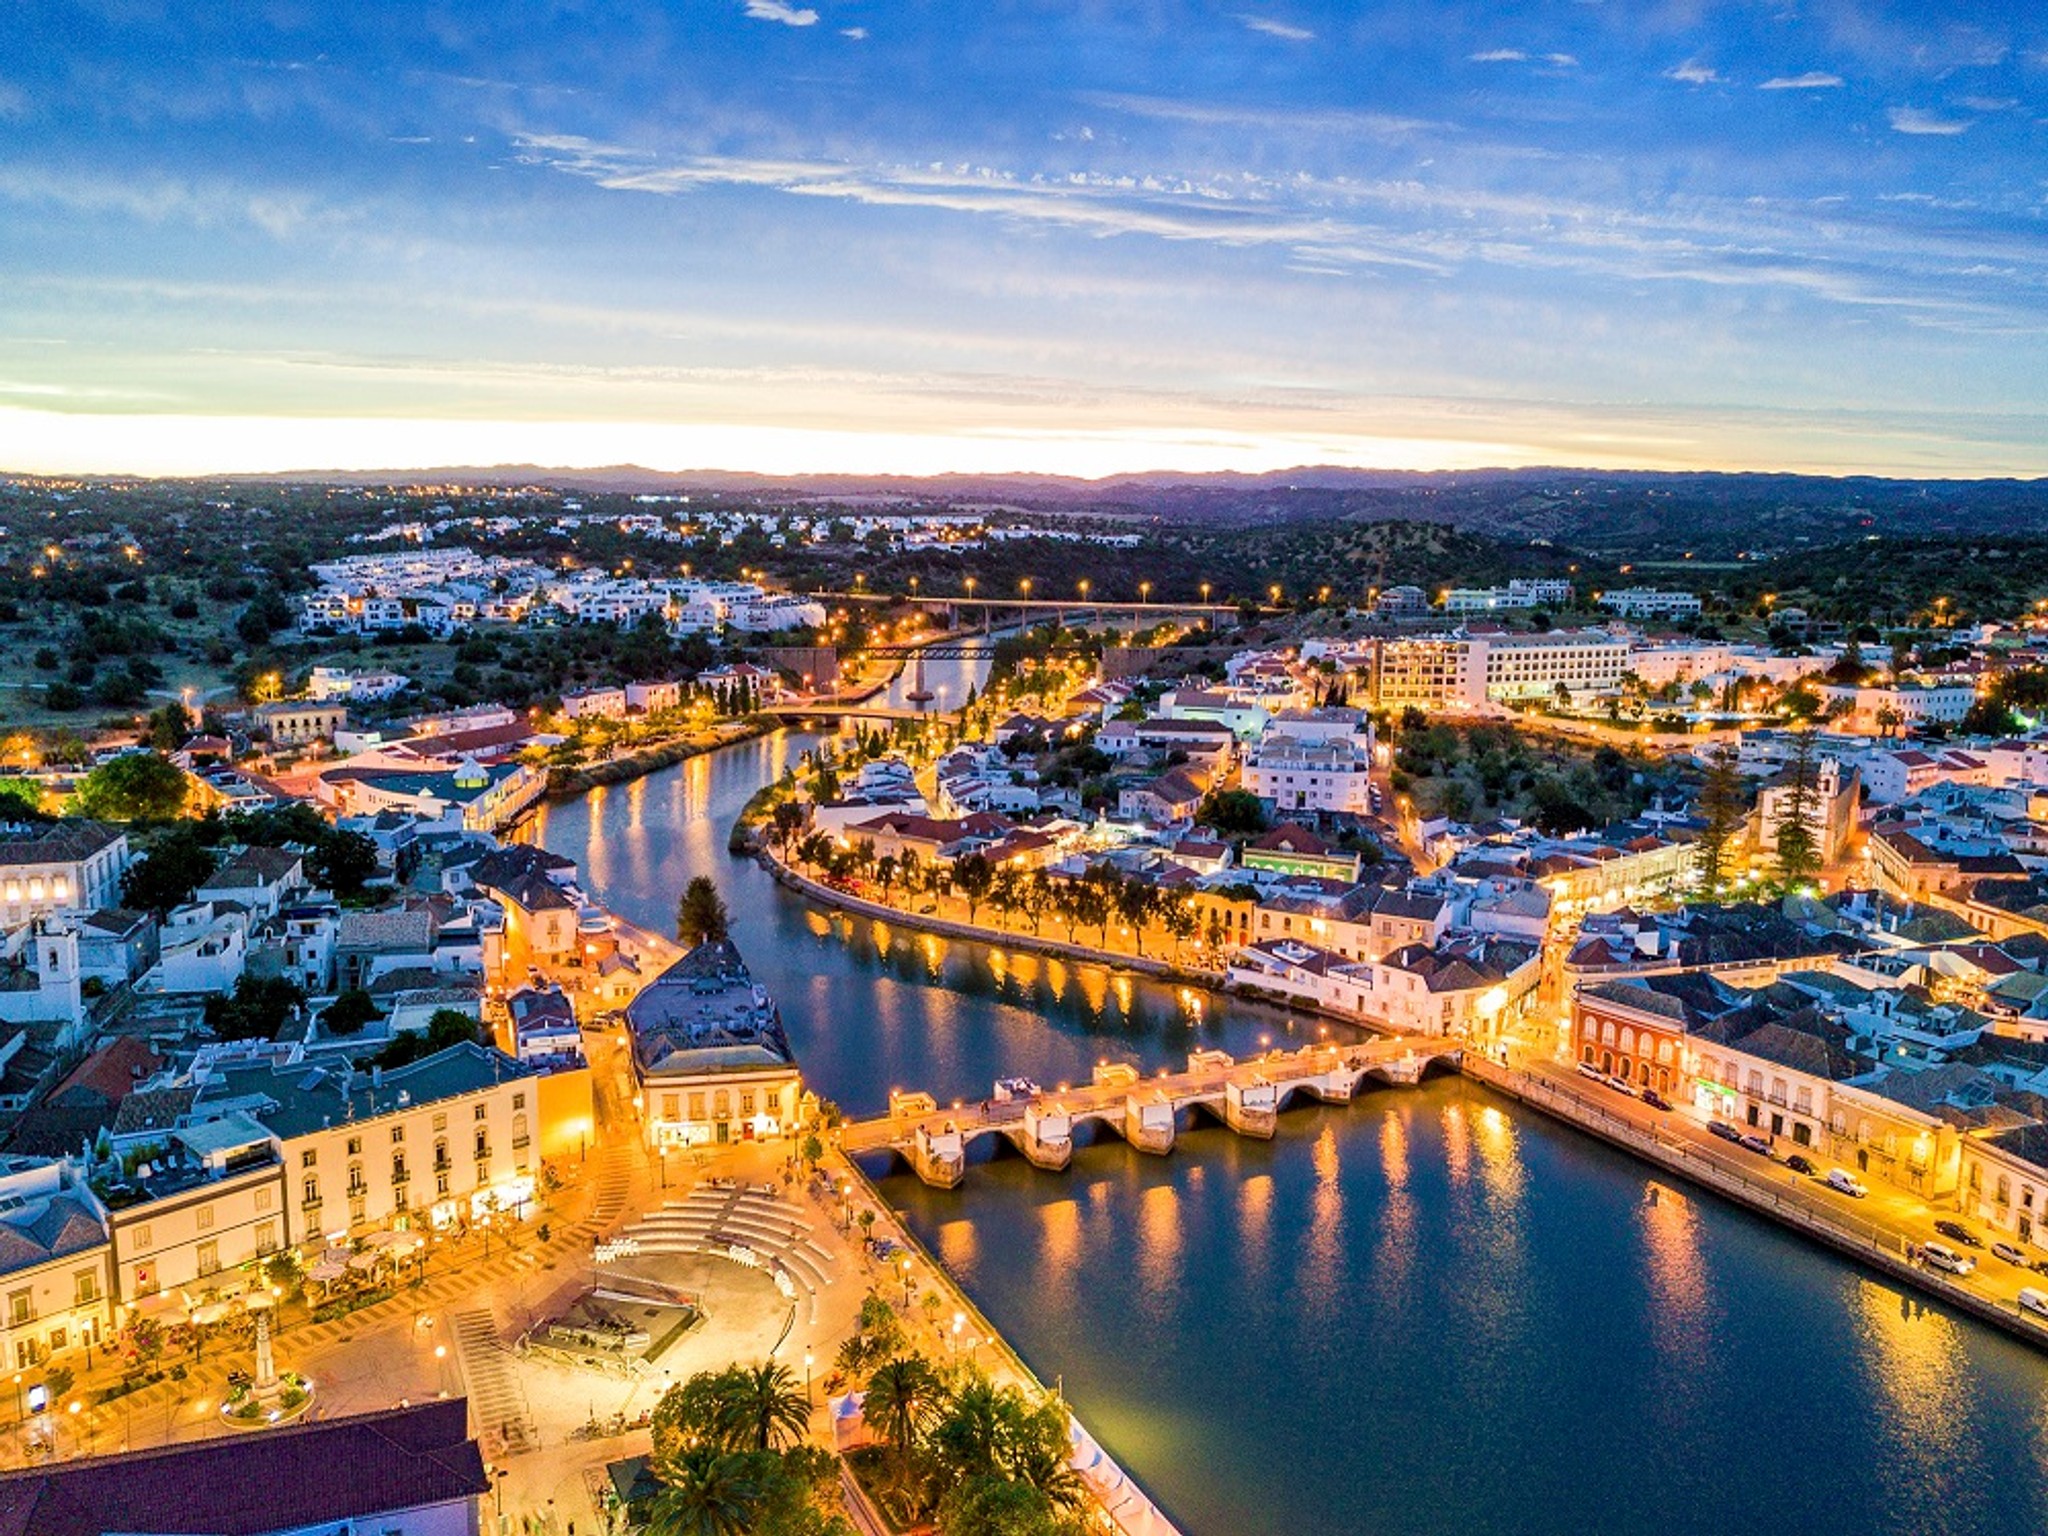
(1429, 1311)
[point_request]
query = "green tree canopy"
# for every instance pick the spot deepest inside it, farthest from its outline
(701, 916)
(137, 786)
(176, 865)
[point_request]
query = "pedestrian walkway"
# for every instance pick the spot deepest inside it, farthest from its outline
(497, 1403)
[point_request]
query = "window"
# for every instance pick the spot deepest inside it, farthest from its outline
(441, 1121)
(209, 1258)
(85, 1288)
(312, 1191)
(266, 1237)
(355, 1146)
(397, 1134)
(203, 1218)
(309, 1158)
(483, 1144)
(519, 1101)
(142, 1235)
(263, 1198)
(481, 1111)
(21, 1307)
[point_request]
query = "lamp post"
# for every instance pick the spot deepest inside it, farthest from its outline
(906, 1284)
(807, 1378)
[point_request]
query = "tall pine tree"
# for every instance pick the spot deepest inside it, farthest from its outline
(1721, 808)
(1798, 849)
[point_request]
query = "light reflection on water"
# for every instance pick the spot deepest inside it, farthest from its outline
(1425, 1312)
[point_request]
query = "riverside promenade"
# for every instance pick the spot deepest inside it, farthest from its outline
(825, 895)
(1130, 1509)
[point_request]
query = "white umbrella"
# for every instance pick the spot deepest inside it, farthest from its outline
(365, 1262)
(327, 1271)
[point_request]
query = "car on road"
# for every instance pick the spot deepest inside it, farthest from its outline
(1655, 1099)
(1941, 1256)
(2034, 1301)
(1843, 1182)
(2010, 1255)
(1800, 1164)
(1724, 1130)
(1955, 1231)
(1755, 1144)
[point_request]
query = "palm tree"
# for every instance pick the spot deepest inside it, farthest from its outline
(901, 1399)
(708, 1493)
(766, 1409)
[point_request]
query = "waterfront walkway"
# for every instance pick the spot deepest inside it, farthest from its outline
(1246, 1095)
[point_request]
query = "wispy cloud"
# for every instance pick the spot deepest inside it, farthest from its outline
(1812, 80)
(856, 33)
(1444, 232)
(779, 10)
(1232, 115)
(1693, 72)
(1918, 120)
(1273, 28)
(1499, 56)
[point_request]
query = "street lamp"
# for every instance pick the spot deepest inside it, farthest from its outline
(1144, 591)
(807, 1376)
(906, 1283)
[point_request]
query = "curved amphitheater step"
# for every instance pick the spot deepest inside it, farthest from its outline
(771, 1227)
(497, 1405)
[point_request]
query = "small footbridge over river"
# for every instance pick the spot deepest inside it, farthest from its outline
(1245, 1095)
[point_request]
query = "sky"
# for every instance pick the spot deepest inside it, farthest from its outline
(898, 236)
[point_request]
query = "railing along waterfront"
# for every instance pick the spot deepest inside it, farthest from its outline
(1149, 1519)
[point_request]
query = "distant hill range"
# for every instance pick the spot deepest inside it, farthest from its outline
(1633, 513)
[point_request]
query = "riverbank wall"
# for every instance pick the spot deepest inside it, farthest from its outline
(1876, 1248)
(825, 896)
(568, 783)
(1132, 1509)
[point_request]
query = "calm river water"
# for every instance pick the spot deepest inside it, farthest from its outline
(1427, 1312)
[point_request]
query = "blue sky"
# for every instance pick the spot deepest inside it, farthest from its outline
(873, 235)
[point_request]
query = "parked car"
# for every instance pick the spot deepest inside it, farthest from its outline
(1803, 1165)
(1955, 1231)
(1843, 1182)
(1724, 1130)
(2033, 1301)
(2010, 1255)
(1941, 1256)
(1655, 1099)
(1753, 1143)
(1587, 1069)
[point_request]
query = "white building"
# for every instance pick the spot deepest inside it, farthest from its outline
(1649, 603)
(59, 865)
(1296, 774)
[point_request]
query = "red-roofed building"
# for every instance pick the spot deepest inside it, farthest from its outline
(411, 1471)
